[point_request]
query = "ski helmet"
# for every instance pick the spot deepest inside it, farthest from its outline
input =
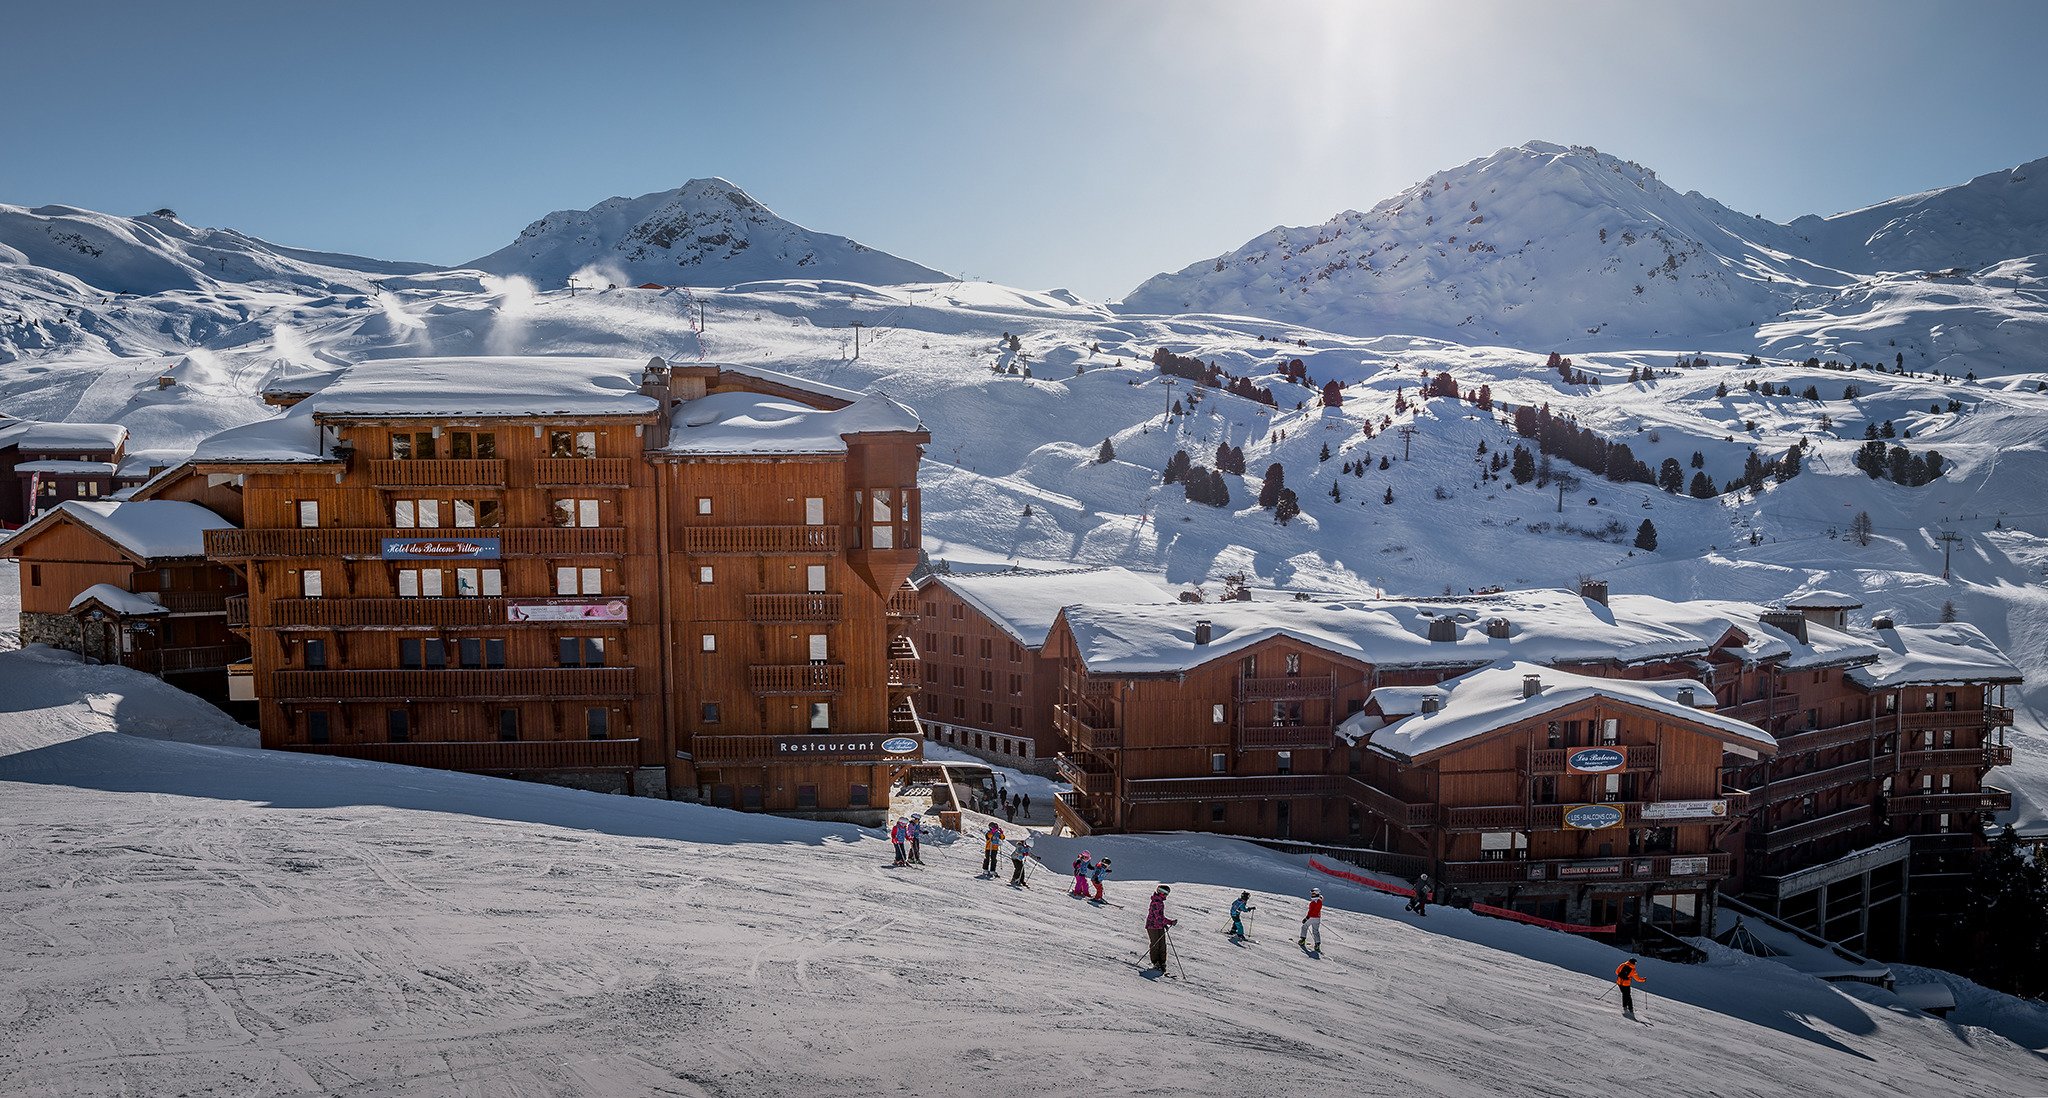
(1315, 891)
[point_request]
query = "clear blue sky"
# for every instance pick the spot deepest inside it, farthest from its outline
(1040, 144)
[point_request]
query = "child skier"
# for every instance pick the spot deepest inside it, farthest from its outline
(990, 843)
(916, 834)
(1096, 873)
(1081, 867)
(1156, 923)
(1625, 977)
(1419, 903)
(1312, 923)
(1238, 907)
(897, 836)
(1017, 859)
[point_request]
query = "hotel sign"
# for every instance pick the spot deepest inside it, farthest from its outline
(602, 610)
(1595, 760)
(440, 549)
(1684, 810)
(1592, 817)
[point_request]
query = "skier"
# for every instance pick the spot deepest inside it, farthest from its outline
(1238, 907)
(1419, 903)
(1624, 977)
(1312, 923)
(1156, 923)
(1081, 866)
(897, 836)
(916, 835)
(1018, 857)
(990, 843)
(1096, 873)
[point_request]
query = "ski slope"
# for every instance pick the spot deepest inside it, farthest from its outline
(189, 915)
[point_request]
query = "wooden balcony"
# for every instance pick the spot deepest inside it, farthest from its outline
(1083, 733)
(1075, 682)
(760, 540)
(1938, 720)
(1388, 807)
(441, 613)
(1640, 867)
(1551, 760)
(769, 680)
(1286, 737)
(1989, 799)
(583, 472)
(1780, 836)
(493, 755)
(1950, 758)
(1760, 710)
(1226, 788)
(1794, 786)
(368, 544)
(902, 604)
(1997, 754)
(903, 674)
(1503, 817)
(438, 473)
(818, 607)
(1285, 686)
(903, 719)
(237, 609)
(1069, 818)
(461, 684)
(1799, 740)
(1998, 716)
(193, 602)
(175, 661)
(1087, 782)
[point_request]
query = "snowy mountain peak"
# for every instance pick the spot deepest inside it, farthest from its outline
(707, 232)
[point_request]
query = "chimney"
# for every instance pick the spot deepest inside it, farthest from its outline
(1497, 628)
(1882, 621)
(1593, 589)
(1532, 685)
(1789, 621)
(1431, 703)
(1685, 697)
(1203, 631)
(1443, 629)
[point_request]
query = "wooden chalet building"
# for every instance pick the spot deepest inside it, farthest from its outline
(128, 582)
(45, 464)
(987, 687)
(686, 582)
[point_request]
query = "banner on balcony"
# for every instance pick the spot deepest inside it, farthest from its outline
(1682, 810)
(1592, 817)
(440, 549)
(565, 610)
(1595, 760)
(1687, 867)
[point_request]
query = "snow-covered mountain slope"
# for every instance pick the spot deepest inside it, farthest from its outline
(706, 232)
(206, 918)
(1988, 322)
(1536, 245)
(1993, 217)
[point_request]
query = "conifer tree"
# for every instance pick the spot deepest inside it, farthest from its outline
(1646, 536)
(1285, 506)
(1272, 486)
(1105, 454)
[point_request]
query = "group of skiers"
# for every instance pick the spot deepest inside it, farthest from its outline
(992, 845)
(908, 836)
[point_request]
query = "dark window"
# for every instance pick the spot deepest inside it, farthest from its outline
(582, 651)
(857, 796)
(316, 655)
(1216, 813)
(807, 796)
(397, 725)
(494, 653)
(409, 654)
(470, 652)
(597, 721)
(750, 798)
(415, 655)
(987, 647)
(472, 444)
(710, 712)
(721, 796)
(35, 575)
(1283, 826)
(316, 727)
(508, 724)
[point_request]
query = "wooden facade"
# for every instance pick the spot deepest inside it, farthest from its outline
(983, 691)
(45, 464)
(562, 596)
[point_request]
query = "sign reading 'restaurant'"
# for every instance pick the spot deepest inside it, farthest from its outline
(440, 549)
(1595, 760)
(845, 747)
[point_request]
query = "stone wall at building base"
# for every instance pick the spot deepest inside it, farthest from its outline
(56, 630)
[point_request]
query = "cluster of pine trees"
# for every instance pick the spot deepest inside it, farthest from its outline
(1201, 483)
(1206, 373)
(2004, 928)
(1898, 464)
(1583, 447)
(1571, 374)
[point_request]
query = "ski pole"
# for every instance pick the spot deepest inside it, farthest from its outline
(1172, 950)
(1609, 991)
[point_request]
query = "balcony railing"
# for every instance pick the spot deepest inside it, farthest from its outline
(1087, 782)
(1552, 760)
(1286, 686)
(422, 613)
(1083, 733)
(1256, 787)
(1625, 867)
(1760, 710)
(368, 544)
(1948, 758)
(1389, 807)
(1285, 737)
(193, 602)
(493, 755)
(903, 674)
(1069, 817)
(1793, 786)
(1794, 741)
(1923, 720)
(903, 719)
(1997, 754)
(172, 661)
(1780, 836)
(796, 679)
(750, 540)
(237, 608)
(1988, 799)
(1998, 716)
(902, 603)
(1075, 682)
(506, 684)
(810, 607)
(438, 473)
(577, 472)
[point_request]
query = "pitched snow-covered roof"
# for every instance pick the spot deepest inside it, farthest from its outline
(125, 603)
(792, 381)
(1545, 626)
(40, 436)
(1711, 619)
(68, 468)
(1024, 604)
(1491, 698)
(753, 423)
(150, 528)
(1823, 600)
(292, 437)
(510, 385)
(1934, 655)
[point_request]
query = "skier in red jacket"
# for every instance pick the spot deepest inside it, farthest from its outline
(1312, 923)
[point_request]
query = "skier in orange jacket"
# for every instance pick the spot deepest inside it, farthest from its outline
(1625, 976)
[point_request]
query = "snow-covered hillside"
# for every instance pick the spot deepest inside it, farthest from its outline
(189, 915)
(1993, 217)
(706, 232)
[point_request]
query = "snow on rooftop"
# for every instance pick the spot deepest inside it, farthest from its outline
(150, 528)
(1711, 619)
(1025, 603)
(125, 603)
(1823, 600)
(1491, 699)
(792, 381)
(68, 468)
(1545, 626)
(293, 437)
(743, 422)
(32, 435)
(1931, 655)
(511, 385)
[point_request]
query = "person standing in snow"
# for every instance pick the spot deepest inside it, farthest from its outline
(916, 836)
(1081, 865)
(1010, 810)
(1238, 907)
(1312, 923)
(990, 843)
(1156, 924)
(1625, 977)
(1018, 857)
(897, 836)
(1096, 873)
(1027, 804)
(1419, 903)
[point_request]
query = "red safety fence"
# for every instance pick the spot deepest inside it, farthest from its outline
(1483, 909)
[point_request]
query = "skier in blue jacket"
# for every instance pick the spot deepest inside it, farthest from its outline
(1238, 907)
